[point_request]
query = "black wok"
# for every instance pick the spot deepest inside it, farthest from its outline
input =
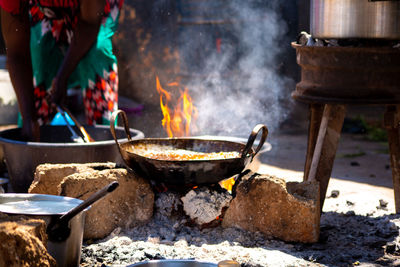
(187, 172)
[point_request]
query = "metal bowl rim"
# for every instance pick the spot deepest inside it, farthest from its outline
(3, 140)
(26, 196)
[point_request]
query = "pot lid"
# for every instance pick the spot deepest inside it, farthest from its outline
(36, 204)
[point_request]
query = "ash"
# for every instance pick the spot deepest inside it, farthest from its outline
(347, 238)
(203, 205)
(167, 204)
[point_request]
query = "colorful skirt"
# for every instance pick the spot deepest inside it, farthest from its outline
(96, 74)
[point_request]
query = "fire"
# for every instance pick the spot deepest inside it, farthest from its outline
(179, 122)
(228, 184)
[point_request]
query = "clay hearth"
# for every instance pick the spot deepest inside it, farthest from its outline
(263, 203)
(131, 203)
(23, 242)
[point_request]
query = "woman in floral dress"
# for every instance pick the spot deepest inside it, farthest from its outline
(62, 44)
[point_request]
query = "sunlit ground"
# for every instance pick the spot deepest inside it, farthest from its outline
(360, 187)
(364, 196)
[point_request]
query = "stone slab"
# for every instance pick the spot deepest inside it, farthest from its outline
(288, 211)
(48, 177)
(130, 204)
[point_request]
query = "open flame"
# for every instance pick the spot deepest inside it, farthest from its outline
(228, 184)
(179, 122)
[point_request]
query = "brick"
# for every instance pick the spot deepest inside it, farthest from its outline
(287, 211)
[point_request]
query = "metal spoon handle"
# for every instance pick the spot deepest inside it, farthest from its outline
(85, 134)
(93, 198)
(74, 136)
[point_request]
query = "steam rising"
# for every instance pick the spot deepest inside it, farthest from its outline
(236, 85)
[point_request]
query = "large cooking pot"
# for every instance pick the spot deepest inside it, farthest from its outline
(55, 146)
(48, 208)
(64, 217)
(355, 19)
(181, 171)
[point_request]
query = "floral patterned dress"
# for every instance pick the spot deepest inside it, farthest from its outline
(52, 26)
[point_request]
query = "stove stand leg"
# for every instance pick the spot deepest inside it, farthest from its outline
(316, 111)
(325, 147)
(391, 122)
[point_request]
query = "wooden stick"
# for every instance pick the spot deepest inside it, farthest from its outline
(320, 142)
(391, 121)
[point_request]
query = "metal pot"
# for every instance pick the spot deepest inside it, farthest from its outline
(355, 19)
(55, 146)
(49, 208)
(64, 217)
(187, 171)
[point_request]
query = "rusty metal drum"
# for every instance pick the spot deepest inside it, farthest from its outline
(348, 75)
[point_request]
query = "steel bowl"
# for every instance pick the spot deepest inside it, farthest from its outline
(55, 146)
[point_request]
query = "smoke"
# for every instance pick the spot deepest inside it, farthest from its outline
(234, 65)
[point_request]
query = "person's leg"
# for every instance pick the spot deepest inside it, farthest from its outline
(101, 98)
(98, 74)
(46, 58)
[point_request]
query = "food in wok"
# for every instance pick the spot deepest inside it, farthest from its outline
(187, 161)
(154, 151)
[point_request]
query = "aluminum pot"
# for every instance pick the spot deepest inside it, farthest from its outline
(355, 19)
(55, 146)
(64, 217)
(49, 208)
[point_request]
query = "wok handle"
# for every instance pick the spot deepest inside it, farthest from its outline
(252, 138)
(125, 121)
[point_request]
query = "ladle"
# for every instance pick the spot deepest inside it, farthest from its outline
(86, 136)
(75, 137)
(58, 229)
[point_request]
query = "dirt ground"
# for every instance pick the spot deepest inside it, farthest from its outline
(358, 224)
(361, 171)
